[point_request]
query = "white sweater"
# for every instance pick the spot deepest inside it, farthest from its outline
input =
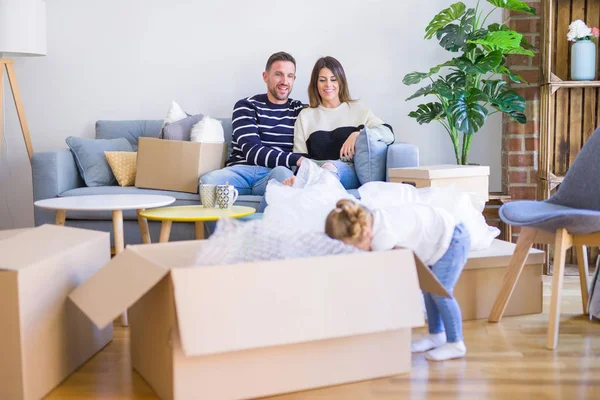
(347, 114)
(426, 230)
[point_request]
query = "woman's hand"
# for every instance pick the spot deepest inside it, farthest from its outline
(347, 150)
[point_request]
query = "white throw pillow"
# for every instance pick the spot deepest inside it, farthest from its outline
(208, 130)
(174, 114)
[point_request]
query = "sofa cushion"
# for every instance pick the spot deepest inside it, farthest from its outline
(123, 164)
(180, 130)
(130, 130)
(370, 157)
(91, 161)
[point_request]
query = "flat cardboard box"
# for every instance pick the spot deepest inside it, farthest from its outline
(480, 282)
(44, 337)
(176, 165)
(256, 329)
(469, 178)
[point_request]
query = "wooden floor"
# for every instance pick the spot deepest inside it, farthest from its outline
(504, 361)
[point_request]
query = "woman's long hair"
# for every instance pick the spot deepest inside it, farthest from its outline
(338, 71)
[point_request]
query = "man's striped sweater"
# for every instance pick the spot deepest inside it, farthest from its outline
(263, 132)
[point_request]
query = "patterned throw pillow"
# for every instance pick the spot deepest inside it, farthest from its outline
(123, 165)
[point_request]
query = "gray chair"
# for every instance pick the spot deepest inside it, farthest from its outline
(569, 218)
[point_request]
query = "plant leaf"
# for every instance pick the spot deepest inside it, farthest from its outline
(493, 88)
(445, 17)
(488, 62)
(424, 91)
(443, 89)
(416, 77)
(465, 65)
(526, 45)
(426, 113)
(497, 27)
(509, 42)
(513, 5)
(457, 79)
(508, 101)
(513, 77)
(453, 37)
(478, 34)
(467, 114)
(519, 117)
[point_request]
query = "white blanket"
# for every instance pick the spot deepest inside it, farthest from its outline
(305, 206)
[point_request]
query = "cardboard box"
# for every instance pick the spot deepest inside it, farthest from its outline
(468, 178)
(44, 337)
(482, 277)
(176, 165)
(256, 329)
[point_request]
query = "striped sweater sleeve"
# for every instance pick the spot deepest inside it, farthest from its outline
(246, 135)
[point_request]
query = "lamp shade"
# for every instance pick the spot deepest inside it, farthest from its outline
(22, 28)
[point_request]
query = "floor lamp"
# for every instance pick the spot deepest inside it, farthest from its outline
(22, 34)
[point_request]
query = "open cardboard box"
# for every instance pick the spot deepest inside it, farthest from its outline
(482, 277)
(262, 328)
(176, 165)
(43, 336)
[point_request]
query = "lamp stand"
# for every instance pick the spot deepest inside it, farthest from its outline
(12, 79)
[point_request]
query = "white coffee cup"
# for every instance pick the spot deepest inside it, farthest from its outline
(226, 195)
(208, 195)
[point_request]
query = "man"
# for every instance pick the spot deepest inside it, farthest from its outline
(263, 133)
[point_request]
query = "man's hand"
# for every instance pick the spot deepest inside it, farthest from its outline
(347, 150)
(299, 162)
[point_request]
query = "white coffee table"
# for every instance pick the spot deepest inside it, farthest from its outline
(116, 203)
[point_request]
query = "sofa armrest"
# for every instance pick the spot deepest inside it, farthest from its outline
(401, 155)
(53, 172)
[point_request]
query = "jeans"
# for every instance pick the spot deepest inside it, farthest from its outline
(247, 179)
(345, 173)
(443, 314)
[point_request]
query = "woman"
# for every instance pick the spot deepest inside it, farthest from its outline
(327, 130)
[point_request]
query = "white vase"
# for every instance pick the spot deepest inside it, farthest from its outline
(583, 60)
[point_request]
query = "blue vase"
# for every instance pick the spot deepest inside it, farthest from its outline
(583, 60)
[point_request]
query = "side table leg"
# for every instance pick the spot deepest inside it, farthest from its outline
(143, 227)
(165, 231)
(61, 216)
(199, 230)
(117, 216)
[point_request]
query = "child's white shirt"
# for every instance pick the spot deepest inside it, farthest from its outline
(424, 229)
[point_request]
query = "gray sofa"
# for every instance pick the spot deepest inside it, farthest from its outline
(55, 174)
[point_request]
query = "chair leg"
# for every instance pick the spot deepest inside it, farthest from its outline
(582, 262)
(513, 271)
(562, 244)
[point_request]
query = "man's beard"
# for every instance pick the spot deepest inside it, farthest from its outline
(275, 94)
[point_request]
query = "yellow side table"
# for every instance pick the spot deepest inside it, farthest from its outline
(197, 214)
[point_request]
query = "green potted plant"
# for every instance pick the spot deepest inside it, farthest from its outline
(469, 87)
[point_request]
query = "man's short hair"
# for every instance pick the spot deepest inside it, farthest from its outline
(279, 56)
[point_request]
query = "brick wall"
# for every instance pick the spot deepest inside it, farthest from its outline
(520, 141)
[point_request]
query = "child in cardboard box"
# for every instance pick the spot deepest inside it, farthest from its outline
(435, 238)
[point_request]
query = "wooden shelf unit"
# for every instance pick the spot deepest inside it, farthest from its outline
(569, 110)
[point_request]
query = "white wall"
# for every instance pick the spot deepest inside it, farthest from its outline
(127, 59)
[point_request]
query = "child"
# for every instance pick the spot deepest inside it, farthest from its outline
(435, 238)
